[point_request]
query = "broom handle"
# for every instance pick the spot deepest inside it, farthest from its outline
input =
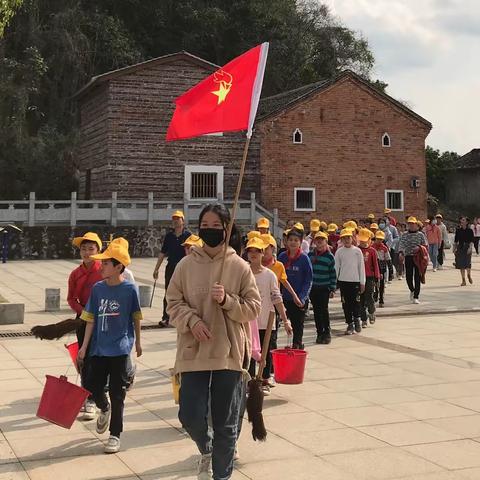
(266, 344)
(235, 205)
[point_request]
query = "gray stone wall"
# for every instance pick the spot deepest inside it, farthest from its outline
(463, 189)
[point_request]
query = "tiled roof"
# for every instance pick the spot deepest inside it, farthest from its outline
(469, 160)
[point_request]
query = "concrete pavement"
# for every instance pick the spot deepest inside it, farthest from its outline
(399, 401)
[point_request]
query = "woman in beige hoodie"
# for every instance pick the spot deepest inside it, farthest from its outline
(213, 346)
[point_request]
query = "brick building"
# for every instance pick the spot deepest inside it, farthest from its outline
(333, 149)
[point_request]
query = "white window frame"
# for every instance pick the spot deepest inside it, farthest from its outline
(401, 192)
(310, 189)
(389, 140)
(189, 169)
(297, 130)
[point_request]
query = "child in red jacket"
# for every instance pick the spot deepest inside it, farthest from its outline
(80, 284)
(372, 274)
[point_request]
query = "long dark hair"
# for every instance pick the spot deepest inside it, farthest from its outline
(224, 215)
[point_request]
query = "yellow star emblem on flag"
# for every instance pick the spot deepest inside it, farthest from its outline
(224, 81)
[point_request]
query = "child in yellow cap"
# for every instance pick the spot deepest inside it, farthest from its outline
(113, 318)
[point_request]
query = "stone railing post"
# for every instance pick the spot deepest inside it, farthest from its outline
(73, 209)
(253, 209)
(150, 209)
(275, 223)
(113, 217)
(31, 210)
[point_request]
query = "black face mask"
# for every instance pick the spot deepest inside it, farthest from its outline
(213, 237)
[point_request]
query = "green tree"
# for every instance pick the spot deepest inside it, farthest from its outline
(7, 11)
(438, 165)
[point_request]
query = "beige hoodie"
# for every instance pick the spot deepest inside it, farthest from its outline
(189, 301)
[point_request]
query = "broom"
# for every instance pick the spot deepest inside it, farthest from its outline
(255, 390)
(56, 330)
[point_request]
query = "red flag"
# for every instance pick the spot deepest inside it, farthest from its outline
(225, 101)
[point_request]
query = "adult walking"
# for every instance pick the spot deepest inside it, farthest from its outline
(408, 247)
(445, 240)
(434, 239)
(174, 251)
(212, 322)
(462, 248)
(476, 233)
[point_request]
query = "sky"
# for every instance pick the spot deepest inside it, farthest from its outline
(428, 51)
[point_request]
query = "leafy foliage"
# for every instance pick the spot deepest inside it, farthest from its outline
(51, 48)
(438, 165)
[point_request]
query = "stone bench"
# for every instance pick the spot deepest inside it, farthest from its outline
(11, 313)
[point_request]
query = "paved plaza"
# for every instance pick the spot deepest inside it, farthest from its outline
(399, 401)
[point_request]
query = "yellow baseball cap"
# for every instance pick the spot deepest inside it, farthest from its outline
(268, 240)
(117, 249)
(253, 234)
(263, 223)
(350, 224)
(412, 220)
(380, 235)
(88, 237)
(193, 240)
(387, 210)
(285, 232)
(346, 232)
(178, 213)
(321, 235)
(314, 225)
(299, 226)
(371, 216)
(332, 227)
(373, 226)
(256, 242)
(363, 235)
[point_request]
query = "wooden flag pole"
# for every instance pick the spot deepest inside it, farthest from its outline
(235, 205)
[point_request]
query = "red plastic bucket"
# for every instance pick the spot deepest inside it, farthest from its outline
(289, 365)
(61, 401)
(73, 351)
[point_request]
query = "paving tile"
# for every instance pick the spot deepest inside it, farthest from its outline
(451, 455)
(304, 469)
(6, 453)
(449, 390)
(466, 427)
(355, 384)
(389, 396)
(329, 401)
(409, 433)
(381, 464)
(13, 471)
(299, 422)
(472, 403)
(89, 467)
(370, 415)
(430, 409)
(333, 441)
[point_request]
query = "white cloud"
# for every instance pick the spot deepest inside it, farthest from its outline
(426, 50)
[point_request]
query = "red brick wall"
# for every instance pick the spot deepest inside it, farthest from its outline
(93, 152)
(342, 155)
(140, 107)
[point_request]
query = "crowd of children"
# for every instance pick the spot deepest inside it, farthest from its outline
(357, 259)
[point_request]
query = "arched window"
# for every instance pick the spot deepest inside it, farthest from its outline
(297, 136)
(386, 140)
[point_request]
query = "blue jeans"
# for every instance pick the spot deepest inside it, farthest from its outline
(433, 252)
(224, 390)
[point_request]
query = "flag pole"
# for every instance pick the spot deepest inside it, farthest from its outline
(235, 203)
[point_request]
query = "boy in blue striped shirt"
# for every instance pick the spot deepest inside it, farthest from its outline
(323, 287)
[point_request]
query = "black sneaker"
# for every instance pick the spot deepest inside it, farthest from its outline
(373, 317)
(319, 339)
(358, 327)
(350, 329)
(327, 339)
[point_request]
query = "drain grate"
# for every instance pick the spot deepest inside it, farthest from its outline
(30, 334)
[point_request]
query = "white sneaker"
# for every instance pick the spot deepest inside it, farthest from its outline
(205, 471)
(112, 445)
(434, 269)
(103, 421)
(416, 301)
(90, 410)
(236, 455)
